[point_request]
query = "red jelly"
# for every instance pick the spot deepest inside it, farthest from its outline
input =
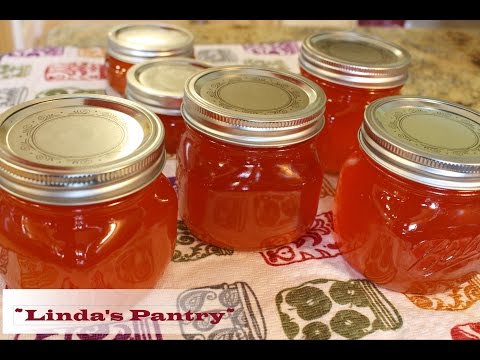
(159, 85)
(82, 198)
(249, 175)
(134, 44)
(407, 208)
(353, 70)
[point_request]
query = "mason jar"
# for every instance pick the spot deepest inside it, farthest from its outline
(83, 201)
(133, 44)
(249, 175)
(353, 69)
(407, 207)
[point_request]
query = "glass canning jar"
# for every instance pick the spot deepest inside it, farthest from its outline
(158, 85)
(134, 44)
(407, 207)
(353, 70)
(83, 202)
(249, 175)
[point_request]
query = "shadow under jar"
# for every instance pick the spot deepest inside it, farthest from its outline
(133, 44)
(407, 207)
(159, 85)
(83, 202)
(353, 70)
(249, 175)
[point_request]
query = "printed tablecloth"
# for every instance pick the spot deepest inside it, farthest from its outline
(303, 290)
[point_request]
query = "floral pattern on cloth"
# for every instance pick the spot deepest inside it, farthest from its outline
(317, 243)
(460, 297)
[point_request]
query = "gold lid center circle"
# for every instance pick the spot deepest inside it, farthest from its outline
(255, 95)
(357, 52)
(69, 136)
(448, 134)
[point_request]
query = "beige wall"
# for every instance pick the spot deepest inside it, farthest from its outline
(6, 38)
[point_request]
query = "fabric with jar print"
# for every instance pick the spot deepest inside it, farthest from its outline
(302, 290)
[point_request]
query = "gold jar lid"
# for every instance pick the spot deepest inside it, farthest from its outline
(79, 149)
(354, 59)
(159, 84)
(429, 141)
(137, 43)
(255, 107)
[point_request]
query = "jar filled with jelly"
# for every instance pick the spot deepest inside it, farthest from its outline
(83, 202)
(249, 175)
(133, 44)
(353, 70)
(407, 207)
(159, 86)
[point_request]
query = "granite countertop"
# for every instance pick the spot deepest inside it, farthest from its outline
(445, 62)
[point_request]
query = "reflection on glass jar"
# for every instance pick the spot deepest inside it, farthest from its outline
(103, 215)
(254, 216)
